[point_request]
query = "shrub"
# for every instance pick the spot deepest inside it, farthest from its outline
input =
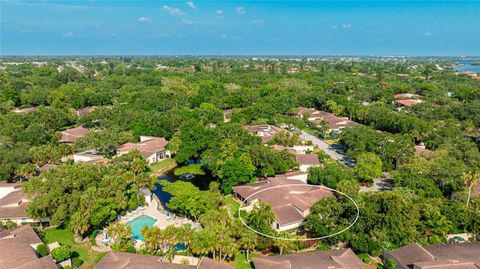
(61, 253)
(364, 257)
(10, 225)
(131, 249)
(42, 249)
(76, 262)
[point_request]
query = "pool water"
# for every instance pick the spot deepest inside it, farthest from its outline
(137, 225)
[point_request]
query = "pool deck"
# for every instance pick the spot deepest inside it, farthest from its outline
(162, 220)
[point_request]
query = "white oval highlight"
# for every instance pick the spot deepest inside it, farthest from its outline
(300, 239)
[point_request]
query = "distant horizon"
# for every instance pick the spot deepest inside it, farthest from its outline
(466, 57)
(240, 28)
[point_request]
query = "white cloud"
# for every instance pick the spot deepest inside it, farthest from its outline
(427, 34)
(224, 36)
(346, 25)
(68, 34)
(258, 22)
(219, 13)
(190, 4)
(143, 19)
(333, 27)
(173, 11)
(187, 21)
(240, 10)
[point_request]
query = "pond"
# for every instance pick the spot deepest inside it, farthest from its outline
(201, 182)
(468, 66)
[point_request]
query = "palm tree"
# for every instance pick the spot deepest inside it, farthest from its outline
(248, 241)
(138, 165)
(284, 244)
(471, 179)
(79, 224)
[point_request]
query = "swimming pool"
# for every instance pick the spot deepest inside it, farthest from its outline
(137, 225)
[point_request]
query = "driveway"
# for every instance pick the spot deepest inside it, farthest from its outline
(326, 148)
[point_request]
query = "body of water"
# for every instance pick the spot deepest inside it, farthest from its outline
(200, 182)
(137, 224)
(468, 66)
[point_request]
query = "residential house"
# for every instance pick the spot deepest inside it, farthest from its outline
(331, 259)
(150, 147)
(123, 260)
(305, 161)
(24, 111)
(334, 124)
(89, 156)
(400, 96)
(291, 199)
(18, 250)
(266, 132)
(407, 102)
(82, 112)
(71, 135)
(13, 204)
(445, 256)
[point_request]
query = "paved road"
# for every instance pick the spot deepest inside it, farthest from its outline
(326, 148)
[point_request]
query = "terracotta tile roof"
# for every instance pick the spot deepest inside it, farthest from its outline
(464, 255)
(17, 251)
(307, 159)
(122, 260)
(288, 203)
(147, 148)
(332, 259)
(71, 135)
(207, 263)
(407, 102)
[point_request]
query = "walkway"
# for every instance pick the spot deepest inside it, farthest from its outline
(155, 211)
(328, 149)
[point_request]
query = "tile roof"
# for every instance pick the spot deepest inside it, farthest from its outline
(282, 148)
(147, 147)
(71, 135)
(288, 203)
(407, 102)
(265, 131)
(82, 112)
(122, 260)
(307, 159)
(207, 263)
(332, 259)
(334, 122)
(17, 251)
(464, 255)
(13, 205)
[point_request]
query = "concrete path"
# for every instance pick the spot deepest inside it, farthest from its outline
(326, 148)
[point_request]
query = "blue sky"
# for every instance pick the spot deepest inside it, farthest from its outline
(95, 27)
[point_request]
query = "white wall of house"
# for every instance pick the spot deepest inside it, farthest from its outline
(156, 157)
(304, 167)
(20, 221)
(287, 227)
(302, 177)
(303, 149)
(84, 158)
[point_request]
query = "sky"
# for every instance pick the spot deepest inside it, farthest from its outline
(96, 27)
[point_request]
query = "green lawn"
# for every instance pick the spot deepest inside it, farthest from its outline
(65, 237)
(232, 204)
(240, 262)
(160, 167)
